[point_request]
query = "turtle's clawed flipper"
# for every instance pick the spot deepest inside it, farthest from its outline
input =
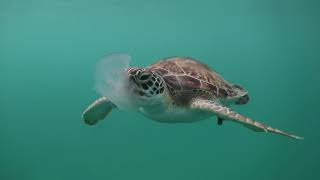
(226, 113)
(220, 120)
(97, 111)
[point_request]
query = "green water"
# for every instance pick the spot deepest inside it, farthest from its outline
(48, 52)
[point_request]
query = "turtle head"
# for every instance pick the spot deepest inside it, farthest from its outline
(146, 83)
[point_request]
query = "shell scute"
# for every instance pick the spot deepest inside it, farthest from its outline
(160, 71)
(182, 73)
(189, 83)
(172, 81)
(171, 67)
(209, 87)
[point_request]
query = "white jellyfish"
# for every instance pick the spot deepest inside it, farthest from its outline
(111, 79)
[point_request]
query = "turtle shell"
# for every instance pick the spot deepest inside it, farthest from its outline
(186, 74)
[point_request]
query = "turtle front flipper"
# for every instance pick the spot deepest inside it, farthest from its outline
(97, 111)
(226, 113)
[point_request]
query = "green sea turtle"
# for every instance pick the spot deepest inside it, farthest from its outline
(179, 89)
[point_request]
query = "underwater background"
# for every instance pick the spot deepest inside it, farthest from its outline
(48, 53)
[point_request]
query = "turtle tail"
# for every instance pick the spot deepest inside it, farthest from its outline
(243, 95)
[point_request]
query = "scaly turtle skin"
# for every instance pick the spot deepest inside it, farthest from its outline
(180, 89)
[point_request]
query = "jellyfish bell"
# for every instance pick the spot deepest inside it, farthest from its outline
(112, 81)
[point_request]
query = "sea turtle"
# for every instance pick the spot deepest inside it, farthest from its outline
(180, 89)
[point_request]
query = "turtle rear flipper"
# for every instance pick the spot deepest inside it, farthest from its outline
(220, 120)
(226, 113)
(97, 111)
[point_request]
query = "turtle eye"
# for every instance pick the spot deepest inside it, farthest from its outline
(144, 76)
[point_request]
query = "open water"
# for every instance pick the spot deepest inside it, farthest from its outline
(48, 53)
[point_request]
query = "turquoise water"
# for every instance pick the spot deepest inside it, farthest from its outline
(48, 52)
